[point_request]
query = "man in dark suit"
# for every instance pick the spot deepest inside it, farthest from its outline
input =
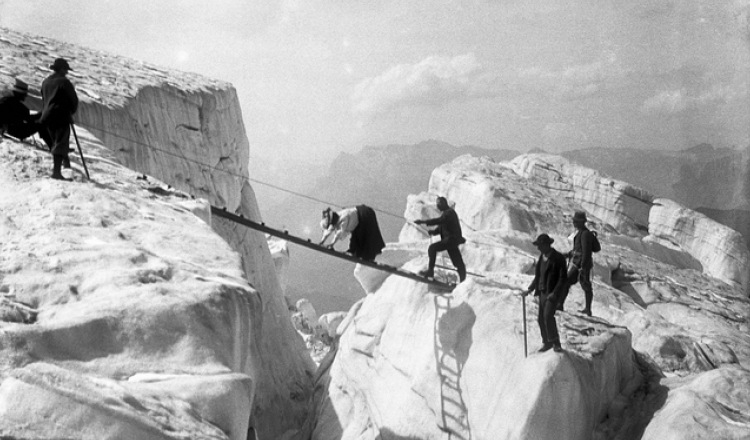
(449, 228)
(15, 118)
(550, 281)
(59, 104)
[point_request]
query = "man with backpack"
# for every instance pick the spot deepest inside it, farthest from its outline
(585, 243)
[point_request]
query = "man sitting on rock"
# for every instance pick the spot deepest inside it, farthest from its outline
(15, 118)
(550, 280)
(449, 229)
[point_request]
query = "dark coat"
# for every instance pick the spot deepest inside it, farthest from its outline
(366, 241)
(59, 100)
(556, 274)
(13, 111)
(582, 248)
(448, 225)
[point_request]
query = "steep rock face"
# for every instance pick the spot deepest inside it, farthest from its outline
(721, 249)
(485, 202)
(618, 204)
(125, 316)
(417, 364)
(680, 321)
(718, 398)
(187, 131)
(654, 271)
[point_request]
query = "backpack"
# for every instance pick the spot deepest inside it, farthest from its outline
(595, 245)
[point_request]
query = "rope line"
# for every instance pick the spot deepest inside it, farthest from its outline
(250, 179)
(228, 172)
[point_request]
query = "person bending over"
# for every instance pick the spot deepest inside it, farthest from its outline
(366, 241)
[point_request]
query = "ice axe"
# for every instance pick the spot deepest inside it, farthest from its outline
(525, 342)
(83, 161)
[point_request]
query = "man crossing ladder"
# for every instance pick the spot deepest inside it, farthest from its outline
(449, 228)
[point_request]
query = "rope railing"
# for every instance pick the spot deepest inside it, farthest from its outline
(229, 172)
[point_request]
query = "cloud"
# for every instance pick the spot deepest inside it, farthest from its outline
(679, 100)
(574, 82)
(433, 81)
(667, 101)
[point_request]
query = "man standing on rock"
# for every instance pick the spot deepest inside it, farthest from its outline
(59, 104)
(550, 280)
(582, 261)
(449, 228)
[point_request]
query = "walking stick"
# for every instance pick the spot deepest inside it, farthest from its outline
(525, 343)
(83, 161)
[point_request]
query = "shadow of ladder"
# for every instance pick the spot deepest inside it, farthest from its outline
(453, 411)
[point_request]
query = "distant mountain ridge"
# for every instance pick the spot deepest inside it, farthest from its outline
(383, 176)
(698, 177)
(379, 176)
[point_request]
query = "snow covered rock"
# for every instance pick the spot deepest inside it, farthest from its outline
(721, 250)
(712, 405)
(415, 364)
(412, 363)
(184, 132)
(617, 203)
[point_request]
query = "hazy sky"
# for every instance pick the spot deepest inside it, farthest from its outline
(320, 76)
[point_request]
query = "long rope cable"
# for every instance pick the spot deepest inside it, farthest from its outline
(182, 156)
(228, 172)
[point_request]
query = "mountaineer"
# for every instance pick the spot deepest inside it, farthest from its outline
(366, 241)
(585, 243)
(15, 118)
(59, 104)
(449, 228)
(550, 281)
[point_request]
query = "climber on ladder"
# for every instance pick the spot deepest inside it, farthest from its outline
(449, 229)
(362, 223)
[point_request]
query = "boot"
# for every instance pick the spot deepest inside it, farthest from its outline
(429, 273)
(545, 347)
(56, 165)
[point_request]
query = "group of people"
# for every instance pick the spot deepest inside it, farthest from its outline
(553, 278)
(367, 241)
(553, 275)
(59, 104)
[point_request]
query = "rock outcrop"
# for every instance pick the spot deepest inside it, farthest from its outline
(618, 204)
(721, 250)
(713, 405)
(186, 131)
(415, 363)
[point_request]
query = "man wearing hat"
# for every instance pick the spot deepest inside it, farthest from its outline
(449, 229)
(15, 118)
(59, 103)
(550, 280)
(582, 261)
